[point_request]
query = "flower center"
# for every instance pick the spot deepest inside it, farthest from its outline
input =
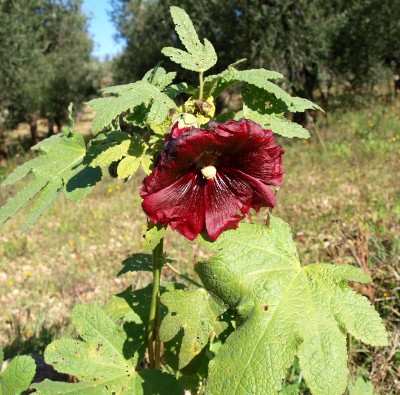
(209, 172)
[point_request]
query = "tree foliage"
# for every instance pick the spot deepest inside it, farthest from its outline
(44, 61)
(314, 44)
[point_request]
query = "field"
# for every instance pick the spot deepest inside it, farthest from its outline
(340, 195)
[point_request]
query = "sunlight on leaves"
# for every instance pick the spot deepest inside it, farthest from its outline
(287, 310)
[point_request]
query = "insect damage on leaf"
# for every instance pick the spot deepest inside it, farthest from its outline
(59, 167)
(287, 310)
(197, 57)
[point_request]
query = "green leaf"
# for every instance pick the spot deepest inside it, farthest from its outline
(153, 237)
(196, 312)
(120, 146)
(257, 78)
(128, 166)
(360, 387)
(136, 263)
(102, 360)
(286, 310)
(132, 306)
(159, 77)
(267, 110)
(175, 90)
(126, 99)
(152, 382)
(45, 200)
(113, 148)
(17, 376)
(291, 389)
(60, 166)
(199, 57)
(277, 123)
(214, 85)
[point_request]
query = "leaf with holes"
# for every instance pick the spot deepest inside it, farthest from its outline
(128, 151)
(277, 123)
(102, 360)
(197, 57)
(159, 77)
(258, 79)
(125, 99)
(153, 237)
(286, 310)
(196, 313)
(17, 376)
(60, 167)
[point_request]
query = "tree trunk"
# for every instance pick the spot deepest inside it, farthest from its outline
(3, 151)
(58, 122)
(33, 128)
(397, 86)
(51, 128)
(309, 83)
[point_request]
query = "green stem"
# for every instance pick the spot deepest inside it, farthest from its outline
(201, 86)
(154, 314)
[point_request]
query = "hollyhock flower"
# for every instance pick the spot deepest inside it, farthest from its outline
(208, 179)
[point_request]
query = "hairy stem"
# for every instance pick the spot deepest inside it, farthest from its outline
(201, 85)
(153, 339)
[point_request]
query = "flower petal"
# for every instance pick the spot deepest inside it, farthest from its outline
(181, 205)
(227, 199)
(264, 164)
(246, 161)
(262, 195)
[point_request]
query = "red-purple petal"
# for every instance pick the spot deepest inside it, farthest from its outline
(181, 205)
(246, 161)
(262, 195)
(227, 200)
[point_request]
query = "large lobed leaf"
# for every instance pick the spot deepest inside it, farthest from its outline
(159, 77)
(263, 102)
(197, 57)
(197, 314)
(129, 152)
(127, 98)
(17, 376)
(59, 167)
(275, 122)
(214, 85)
(287, 310)
(102, 360)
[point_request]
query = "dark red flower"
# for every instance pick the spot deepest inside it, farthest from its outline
(210, 178)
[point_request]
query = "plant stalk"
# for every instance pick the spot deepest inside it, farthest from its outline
(153, 338)
(201, 85)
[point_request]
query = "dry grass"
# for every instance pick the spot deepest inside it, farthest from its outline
(342, 202)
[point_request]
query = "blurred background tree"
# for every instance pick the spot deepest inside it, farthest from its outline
(45, 62)
(320, 46)
(316, 44)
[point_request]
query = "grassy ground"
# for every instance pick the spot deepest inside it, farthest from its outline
(340, 195)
